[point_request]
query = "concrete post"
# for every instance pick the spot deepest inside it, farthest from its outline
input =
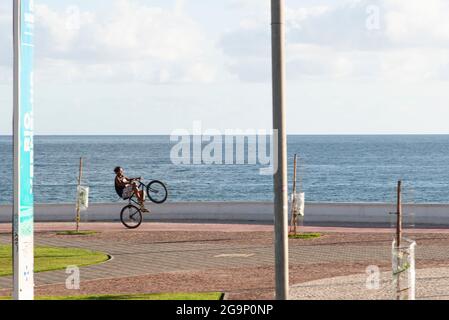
(279, 126)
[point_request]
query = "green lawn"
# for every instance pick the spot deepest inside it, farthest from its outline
(305, 236)
(157, 296)
(52, 258)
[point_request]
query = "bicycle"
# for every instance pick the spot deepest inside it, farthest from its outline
(131, 214)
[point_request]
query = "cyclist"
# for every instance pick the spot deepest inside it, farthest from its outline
(126, 187)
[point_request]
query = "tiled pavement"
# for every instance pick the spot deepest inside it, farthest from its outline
(133, 259)
(431, 283)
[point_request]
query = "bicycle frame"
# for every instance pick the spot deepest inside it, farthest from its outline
(146, 189)
(132, 200)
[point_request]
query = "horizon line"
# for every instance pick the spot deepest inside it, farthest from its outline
(288, 134)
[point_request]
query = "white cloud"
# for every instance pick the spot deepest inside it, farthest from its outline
(333, 40)
(180, 6)
(5, 35)
(6, 55)
(342, 26)
(415, 64)
(418, 23)
(131, 42)
(252, 6)
(147, 43)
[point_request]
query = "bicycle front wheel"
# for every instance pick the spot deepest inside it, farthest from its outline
(157, 192)
(131, 217)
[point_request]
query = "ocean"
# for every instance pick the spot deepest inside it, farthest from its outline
(331, 169)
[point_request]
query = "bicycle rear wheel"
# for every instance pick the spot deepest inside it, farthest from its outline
(131, 216)
(157, 192)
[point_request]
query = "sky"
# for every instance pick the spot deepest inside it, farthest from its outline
(154, 66)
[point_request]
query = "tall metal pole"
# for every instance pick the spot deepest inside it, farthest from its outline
(280, 156)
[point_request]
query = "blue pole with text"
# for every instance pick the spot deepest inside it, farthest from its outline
(23, 213)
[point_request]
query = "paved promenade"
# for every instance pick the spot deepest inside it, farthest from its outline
(151, 251)
(431, 284)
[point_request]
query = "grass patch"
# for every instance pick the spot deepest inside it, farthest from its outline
(209, 296)
(76, 233)
(52, 258)
(305, 236)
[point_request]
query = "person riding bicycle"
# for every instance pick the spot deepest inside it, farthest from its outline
(127, 187)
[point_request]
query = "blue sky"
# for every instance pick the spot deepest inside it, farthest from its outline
(149, 67)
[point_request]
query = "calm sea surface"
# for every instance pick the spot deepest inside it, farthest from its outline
(332, 168)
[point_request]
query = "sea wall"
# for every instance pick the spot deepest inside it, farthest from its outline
(315, 213)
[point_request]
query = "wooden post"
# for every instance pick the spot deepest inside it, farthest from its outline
(399, 216)
(294, 213)
(78, 217)
(294, 172)
(399, 238)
